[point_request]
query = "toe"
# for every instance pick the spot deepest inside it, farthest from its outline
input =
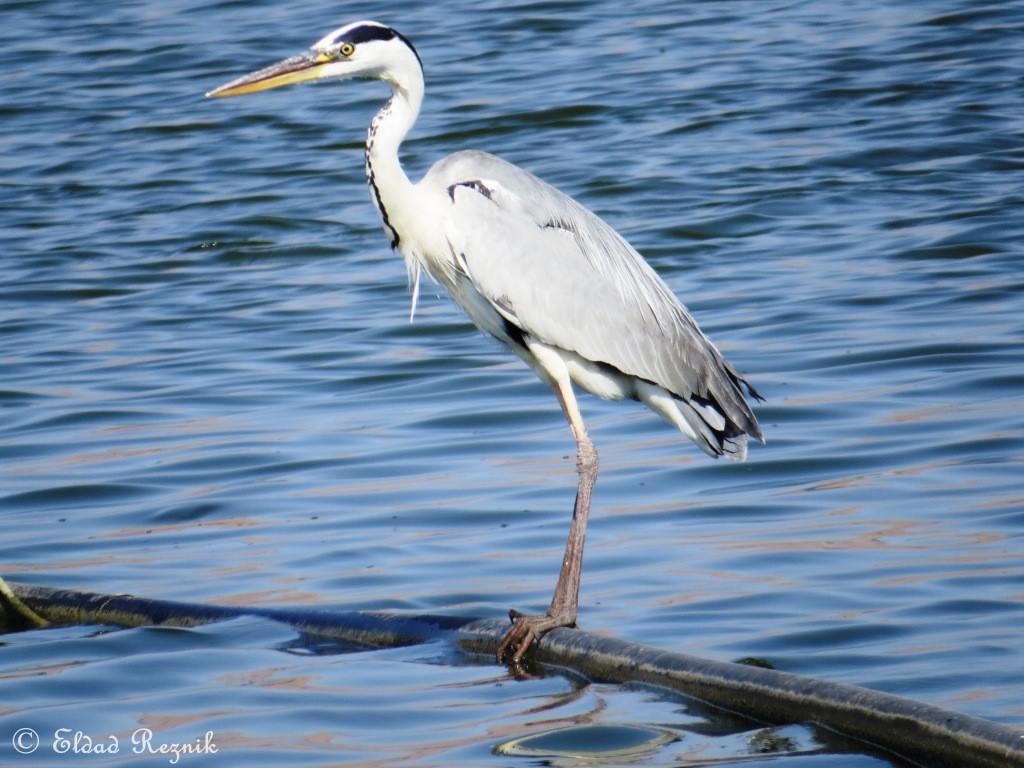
(528, 639)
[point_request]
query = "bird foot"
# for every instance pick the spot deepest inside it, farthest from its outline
(525, 631)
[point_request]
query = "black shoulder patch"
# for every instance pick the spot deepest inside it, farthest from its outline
(476, 185)
(560, 224)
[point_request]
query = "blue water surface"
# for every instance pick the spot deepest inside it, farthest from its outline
(210, 389)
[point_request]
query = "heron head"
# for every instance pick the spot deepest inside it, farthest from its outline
(364, 49)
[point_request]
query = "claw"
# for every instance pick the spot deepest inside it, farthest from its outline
(518, 639)
(525, 631)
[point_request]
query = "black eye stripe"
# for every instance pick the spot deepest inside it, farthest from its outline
(365, 33)
(369, 32)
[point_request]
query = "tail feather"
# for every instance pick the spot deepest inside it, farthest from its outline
(719, 436)
(702, 420)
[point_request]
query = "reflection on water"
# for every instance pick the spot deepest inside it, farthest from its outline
(211, 392)
(617, 741)
(264, 697)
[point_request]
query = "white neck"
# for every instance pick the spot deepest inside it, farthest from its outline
(390, 188)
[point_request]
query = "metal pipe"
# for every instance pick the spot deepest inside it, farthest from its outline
(926, 735)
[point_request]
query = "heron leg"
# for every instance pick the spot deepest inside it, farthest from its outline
(526, 630)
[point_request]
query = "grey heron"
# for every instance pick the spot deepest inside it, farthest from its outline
(537, 271)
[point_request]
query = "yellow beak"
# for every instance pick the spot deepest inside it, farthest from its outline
(298, 69)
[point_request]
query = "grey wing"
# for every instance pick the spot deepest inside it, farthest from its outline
(564, 277)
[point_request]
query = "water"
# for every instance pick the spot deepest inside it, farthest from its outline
(210, 390)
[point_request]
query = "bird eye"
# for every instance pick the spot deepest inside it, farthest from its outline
(347, 49)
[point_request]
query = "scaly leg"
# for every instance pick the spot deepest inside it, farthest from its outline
(526, 630)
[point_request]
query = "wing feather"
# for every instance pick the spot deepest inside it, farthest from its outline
(566, 278)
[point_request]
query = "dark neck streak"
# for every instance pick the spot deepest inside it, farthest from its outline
(374, 190)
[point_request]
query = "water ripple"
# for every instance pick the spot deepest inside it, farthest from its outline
(211, 390)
